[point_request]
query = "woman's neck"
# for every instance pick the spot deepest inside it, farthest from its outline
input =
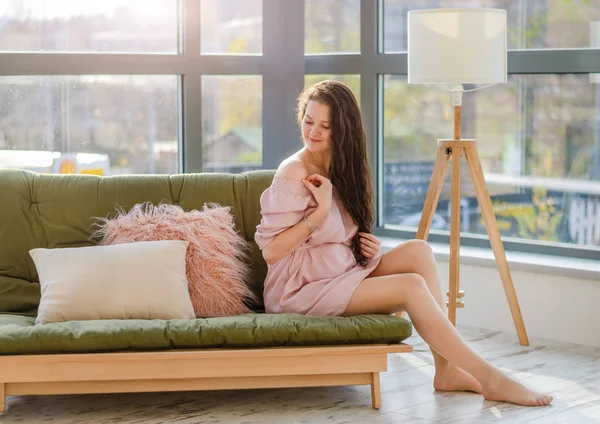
(319, 160)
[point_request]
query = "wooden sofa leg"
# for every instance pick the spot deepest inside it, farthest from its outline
(375, 390)
(2, 398)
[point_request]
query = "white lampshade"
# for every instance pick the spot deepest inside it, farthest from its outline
(457, 46)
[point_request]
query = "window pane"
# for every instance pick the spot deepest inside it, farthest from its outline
(232, 123)
(539, 141)
(352, 81)
(532, 24)
(148, 26)
(89, 124)
(231, 26)
(332, 26)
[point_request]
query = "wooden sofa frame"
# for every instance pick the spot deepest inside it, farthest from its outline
(207, 369)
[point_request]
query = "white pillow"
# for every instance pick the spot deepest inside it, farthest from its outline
(142, 280)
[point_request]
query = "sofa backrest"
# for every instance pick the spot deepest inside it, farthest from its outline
(51, 211)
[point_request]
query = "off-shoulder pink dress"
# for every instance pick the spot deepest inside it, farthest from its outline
(321, 275)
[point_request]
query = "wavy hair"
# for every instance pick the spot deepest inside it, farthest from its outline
(349, 171)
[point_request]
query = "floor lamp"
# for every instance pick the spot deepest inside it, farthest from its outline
(449, 48)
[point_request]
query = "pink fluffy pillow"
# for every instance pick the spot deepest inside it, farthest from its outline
(215, 267)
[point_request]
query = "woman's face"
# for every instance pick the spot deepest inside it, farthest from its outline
(316, 127)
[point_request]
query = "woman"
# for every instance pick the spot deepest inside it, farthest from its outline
(315, 237)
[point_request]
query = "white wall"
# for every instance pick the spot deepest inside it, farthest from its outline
(554, 307)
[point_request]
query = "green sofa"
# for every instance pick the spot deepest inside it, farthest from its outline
(247, 351)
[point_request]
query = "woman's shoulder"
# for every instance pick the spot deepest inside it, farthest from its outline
(292, 169)
(288, 178)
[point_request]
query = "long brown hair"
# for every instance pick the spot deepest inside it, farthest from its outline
(349, 172)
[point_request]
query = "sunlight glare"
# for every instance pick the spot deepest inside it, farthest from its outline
(44, 9)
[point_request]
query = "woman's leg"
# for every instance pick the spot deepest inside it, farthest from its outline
(391, 293)
(416, 256)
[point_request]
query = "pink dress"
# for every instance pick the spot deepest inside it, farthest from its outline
(321, 275)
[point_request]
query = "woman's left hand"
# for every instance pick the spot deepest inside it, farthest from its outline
(369, 245)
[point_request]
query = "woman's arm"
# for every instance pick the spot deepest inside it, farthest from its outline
(289, 240)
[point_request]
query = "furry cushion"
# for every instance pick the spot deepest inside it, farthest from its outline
(215, 266)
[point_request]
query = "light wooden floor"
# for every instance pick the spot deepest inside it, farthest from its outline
(571, 373)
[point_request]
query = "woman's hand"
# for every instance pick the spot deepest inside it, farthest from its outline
(369, 245)
(321, 189)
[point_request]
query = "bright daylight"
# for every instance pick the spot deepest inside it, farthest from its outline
(299, 211)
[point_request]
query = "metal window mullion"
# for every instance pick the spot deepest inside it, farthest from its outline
(229, 65)
(191, 117)
(125, 64)
(190, 34)
(191, 89)
(283, 77)
(554, 61)
(90, 64)
(356, 63)
(368, 90)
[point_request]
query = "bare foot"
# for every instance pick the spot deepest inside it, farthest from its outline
(452, 378)
(504, 389)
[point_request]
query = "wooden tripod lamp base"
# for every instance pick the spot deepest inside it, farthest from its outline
(455, 149)
(468, 46)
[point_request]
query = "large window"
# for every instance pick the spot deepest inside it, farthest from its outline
(164, 86)
(104, 124)
(118, 87)
(538, 135)
(232, 123)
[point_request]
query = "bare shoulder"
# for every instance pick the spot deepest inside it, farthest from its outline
(292, 169)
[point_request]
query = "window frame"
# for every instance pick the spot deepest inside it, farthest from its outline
(282, 66)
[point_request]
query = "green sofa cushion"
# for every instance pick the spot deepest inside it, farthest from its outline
(19, 335)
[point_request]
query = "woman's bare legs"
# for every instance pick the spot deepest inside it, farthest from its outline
(416, 256)
(391, 293)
